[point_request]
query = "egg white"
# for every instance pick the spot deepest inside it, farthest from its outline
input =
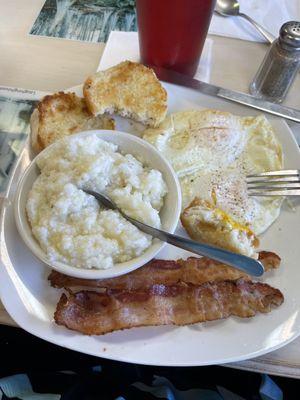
(213, 151)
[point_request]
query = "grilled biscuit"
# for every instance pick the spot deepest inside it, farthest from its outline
(204, 222)
(129, 89)
(60, 115)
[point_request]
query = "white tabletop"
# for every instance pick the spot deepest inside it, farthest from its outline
(51, 64)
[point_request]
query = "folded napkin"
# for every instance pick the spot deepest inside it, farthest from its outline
(271, 14)
(125, 46)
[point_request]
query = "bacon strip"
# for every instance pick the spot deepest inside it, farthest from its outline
(195, 271)
(94, 313)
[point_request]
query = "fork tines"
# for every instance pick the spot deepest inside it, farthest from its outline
(274, 183)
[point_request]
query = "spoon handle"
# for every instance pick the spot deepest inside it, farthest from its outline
(270, 38)
(243, 263)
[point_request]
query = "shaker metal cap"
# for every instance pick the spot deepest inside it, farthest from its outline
(290, 33)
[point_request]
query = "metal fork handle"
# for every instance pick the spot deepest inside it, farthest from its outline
(274, 193)
(267, 35)
(281, 173)
(243, 263)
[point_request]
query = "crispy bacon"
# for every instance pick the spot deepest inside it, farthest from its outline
(94, 313)
(168, 272)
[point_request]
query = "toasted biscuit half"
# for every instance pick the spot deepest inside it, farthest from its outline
(129, 89)
(204, 222)
(60, 115)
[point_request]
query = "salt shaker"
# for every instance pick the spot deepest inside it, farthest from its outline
(280, 65)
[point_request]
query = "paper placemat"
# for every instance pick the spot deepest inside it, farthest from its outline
(271, 14)
(84, 20)
(16, 106)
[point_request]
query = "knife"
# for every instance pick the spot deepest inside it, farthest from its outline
(183, 80)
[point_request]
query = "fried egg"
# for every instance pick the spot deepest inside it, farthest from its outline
(212, 152)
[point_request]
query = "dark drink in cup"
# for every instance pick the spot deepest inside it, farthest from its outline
(172, 32)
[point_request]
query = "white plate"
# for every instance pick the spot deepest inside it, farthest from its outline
(31, 301)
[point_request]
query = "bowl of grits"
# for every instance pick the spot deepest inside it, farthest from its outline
(67, 229)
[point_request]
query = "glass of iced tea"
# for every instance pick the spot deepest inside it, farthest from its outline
(172, 32)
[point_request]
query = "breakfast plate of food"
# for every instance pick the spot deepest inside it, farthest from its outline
(79, 275)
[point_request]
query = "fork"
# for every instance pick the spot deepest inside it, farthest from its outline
(274, 183)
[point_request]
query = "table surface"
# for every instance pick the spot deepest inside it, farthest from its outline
(51, 64)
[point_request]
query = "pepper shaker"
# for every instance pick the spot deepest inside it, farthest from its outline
(280, 65)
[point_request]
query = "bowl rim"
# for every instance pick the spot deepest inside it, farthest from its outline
(23, 225)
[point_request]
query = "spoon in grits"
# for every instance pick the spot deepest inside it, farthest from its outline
(241, 262)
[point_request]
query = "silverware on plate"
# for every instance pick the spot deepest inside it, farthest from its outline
(274, 183)
(183, 80)
(231, 8)
(243, 263)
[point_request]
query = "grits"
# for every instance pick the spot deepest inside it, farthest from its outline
(69, 224)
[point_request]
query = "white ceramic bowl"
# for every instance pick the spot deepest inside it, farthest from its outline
(169, 213)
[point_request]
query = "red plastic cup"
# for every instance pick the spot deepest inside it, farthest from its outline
(172, 32)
